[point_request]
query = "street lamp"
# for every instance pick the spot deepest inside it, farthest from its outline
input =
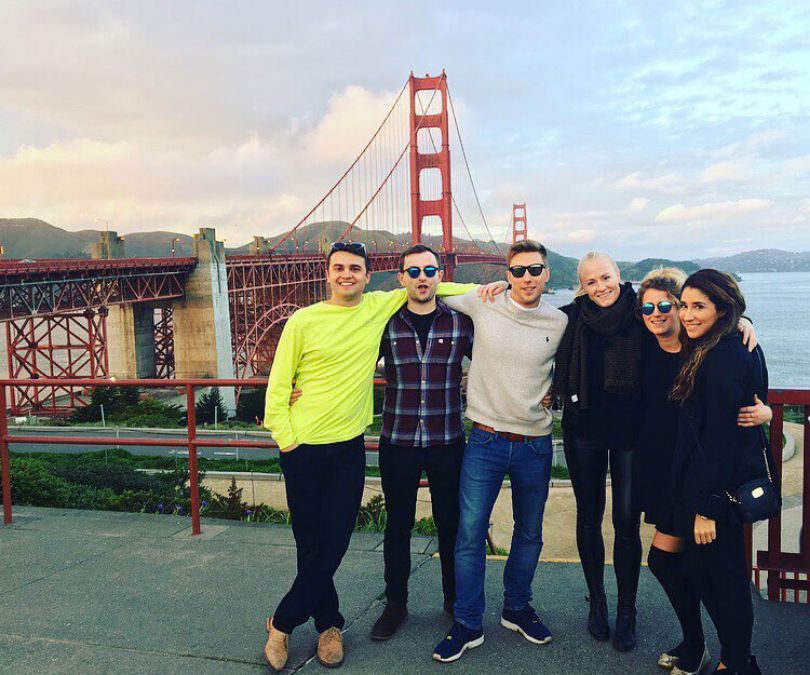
(174, 241)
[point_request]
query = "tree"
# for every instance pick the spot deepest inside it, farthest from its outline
(210, 407)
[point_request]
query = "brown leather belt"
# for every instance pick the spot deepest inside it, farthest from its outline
(508, 435)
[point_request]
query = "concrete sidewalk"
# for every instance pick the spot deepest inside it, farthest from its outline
(92, 592)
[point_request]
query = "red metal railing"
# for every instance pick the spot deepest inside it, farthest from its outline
(786, 569)
(192, 442)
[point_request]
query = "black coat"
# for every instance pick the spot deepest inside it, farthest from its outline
(714, 455)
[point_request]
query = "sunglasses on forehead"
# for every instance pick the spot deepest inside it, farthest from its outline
(356, 247)
(535, 270)
(413, 272)
(665, 306)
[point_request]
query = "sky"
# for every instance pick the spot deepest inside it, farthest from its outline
(678, 129)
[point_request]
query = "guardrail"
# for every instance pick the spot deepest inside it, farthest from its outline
(785, 569)
(192, 441)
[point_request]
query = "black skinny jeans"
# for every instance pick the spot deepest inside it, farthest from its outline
(587, 465)
(718, 574)
(324, 486)
(401, 470)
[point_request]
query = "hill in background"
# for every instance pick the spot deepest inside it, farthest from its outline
(33, 238)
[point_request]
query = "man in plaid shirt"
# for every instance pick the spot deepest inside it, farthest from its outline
(423, 345)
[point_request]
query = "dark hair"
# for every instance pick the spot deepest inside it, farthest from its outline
(725, 294)
(359, 251)
(526, 246)
(418, 248)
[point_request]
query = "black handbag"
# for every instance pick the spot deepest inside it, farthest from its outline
(759, 498)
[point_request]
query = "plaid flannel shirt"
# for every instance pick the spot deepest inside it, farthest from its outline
(422, 404)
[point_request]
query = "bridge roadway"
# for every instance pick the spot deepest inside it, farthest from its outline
(98, 592)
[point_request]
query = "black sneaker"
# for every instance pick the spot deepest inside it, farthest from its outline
(392, 617)
(527, 623)
(456, 642)
(598, 625)
(624, 637)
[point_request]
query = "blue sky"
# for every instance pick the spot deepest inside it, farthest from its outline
(645, 129)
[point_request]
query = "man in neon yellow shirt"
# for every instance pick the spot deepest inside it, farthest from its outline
(330, 349)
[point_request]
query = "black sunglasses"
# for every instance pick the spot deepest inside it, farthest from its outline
(413, 272)
(356, 247)
(535, 270)
(665, 306)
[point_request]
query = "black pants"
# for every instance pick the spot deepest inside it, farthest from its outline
(718, 574)
(587, 464)
(401, 469)
(324, 486)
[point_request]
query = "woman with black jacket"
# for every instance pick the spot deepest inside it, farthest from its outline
(658, 301)
(714, 456)
(597, 376)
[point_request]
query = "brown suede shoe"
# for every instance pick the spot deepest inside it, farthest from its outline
(330, 648)
(277, 647)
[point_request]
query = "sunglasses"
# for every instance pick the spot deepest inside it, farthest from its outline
(665, 306)
(535, 270)
(413, 272)
(356, 247)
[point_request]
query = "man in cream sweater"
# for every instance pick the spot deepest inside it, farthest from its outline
(516, 339)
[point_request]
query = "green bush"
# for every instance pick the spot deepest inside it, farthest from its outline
(116, 477)
(251, 405)
(33, 484)
(426, 527)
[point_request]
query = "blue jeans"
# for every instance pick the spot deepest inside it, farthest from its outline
(487, 459)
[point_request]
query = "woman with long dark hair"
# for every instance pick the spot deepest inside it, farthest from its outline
(598, 377)
(658, 302)
(714, 456)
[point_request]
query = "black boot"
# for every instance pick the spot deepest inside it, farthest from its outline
(598, 625)
(624, 638)
(392, 617)
(751, 669)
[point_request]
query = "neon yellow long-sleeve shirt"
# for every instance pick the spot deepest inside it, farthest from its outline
(331, 351)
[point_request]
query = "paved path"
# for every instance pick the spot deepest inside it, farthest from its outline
(91, 592)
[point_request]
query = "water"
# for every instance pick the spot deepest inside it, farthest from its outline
(779, 305)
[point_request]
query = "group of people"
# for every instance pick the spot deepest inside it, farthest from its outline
(656, 385)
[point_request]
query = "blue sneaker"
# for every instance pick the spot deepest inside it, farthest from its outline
(456, 642)
(527, 623)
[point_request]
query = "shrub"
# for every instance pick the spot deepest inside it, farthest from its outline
(34, 485)
(251, 405)
(117, 477)
(372, 516)
(426, 527)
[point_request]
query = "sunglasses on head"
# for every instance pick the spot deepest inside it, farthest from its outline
(356, 247)
(535, 270)
(665, 306)
(413, 272)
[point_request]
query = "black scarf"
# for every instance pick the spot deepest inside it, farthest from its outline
(623, 335)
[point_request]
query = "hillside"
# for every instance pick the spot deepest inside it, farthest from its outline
(762, 260)
(33, 238)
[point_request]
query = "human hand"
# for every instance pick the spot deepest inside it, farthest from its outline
(748, 334)
(295, 394)
(754, 415)
(548, 399)
(492, 290)
(705, 530)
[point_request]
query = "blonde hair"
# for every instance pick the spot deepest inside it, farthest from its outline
(592, 255)
(667, 279)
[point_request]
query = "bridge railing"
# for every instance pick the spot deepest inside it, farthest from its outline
(191, 442)
(786, 570)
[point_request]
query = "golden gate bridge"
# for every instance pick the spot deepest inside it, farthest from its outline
(212, 315)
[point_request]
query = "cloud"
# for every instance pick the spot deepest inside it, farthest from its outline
(350, 120)
(581, 236)
(638, 204)
(732, 170)
(670, 183)
(711, 211)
